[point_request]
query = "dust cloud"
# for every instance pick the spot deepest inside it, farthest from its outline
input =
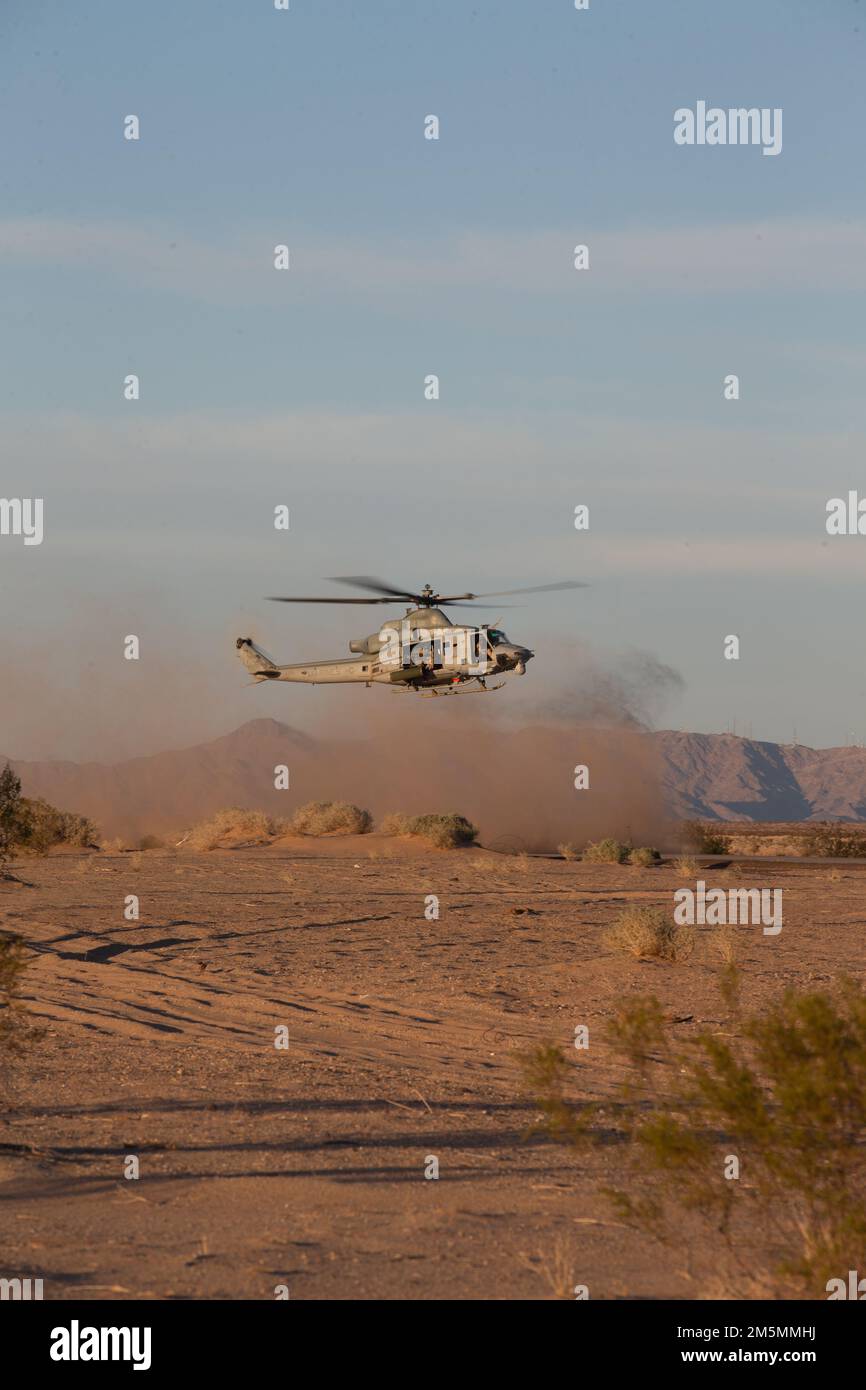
(510, 769)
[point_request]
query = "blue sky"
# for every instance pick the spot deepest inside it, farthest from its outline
(410, 257)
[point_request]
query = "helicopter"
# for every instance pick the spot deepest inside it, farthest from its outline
(422, 652)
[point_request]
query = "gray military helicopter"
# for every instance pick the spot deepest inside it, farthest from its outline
(423, 651)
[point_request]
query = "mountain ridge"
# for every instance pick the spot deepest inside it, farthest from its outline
(720, 777)
(726, 777)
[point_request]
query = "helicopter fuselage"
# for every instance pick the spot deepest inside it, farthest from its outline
(423, 650)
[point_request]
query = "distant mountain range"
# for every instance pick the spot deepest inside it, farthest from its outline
(722, 777)
(517, 784)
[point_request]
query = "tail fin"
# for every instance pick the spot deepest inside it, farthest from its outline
(257, 663)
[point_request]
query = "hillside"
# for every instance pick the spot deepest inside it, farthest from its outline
(517, 784)
(720, 776)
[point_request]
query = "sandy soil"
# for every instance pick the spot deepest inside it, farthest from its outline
(305, 1166)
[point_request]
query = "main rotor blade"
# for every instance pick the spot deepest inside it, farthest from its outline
(533, 589)
(279, 598)
(377, 586)
(387, 594)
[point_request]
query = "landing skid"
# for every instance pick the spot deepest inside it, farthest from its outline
(460, 689)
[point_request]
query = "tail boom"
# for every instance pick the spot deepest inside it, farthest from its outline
(340, 672)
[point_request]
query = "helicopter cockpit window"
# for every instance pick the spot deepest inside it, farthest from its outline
(496, 636)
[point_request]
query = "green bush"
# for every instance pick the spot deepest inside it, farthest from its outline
(15, 1031)
(33, 826)
(448, 831)
(10, 803)
(330, 818)
(39, 827)
(643, 857)
(606, 852)
(782, 1091)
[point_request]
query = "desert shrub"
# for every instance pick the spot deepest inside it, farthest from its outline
(650, 933)
(557, 1266)
(643, 857)
(605, 852)
(10, 802)
(32, 825)
(784, 1091)
(330, 818)
(830, 841)
(704, 839)
(77, 830)
(443, 831)
(567, 852)
(237, 823)
(40, 826)
(14, 1028)
(446, 831)
(686, 864)
(12, 966)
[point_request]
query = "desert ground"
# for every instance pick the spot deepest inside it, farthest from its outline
(305, 1166)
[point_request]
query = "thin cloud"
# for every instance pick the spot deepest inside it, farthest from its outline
(785, 253)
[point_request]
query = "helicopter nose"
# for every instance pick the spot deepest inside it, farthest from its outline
(513, 658)
(521, 656)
